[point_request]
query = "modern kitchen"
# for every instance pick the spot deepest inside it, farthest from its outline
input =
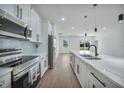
(61, 45)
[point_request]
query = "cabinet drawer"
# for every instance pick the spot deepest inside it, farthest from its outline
(2, 84)
(101, 79)
(97, 83)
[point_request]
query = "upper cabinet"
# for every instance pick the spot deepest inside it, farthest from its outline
(36, 25)
(23, 12)
(20, 11)
(28, 15)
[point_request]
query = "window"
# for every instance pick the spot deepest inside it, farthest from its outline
(84, 45)
(65, 43)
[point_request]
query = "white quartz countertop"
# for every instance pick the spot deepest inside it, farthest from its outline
(112, 67)
(4, 70)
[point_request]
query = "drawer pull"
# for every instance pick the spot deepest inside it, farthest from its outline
(103, 83)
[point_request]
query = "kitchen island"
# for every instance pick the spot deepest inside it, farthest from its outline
(107, 71)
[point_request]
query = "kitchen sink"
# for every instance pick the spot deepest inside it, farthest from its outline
(93, 58)
(89, 57)
(86, 55)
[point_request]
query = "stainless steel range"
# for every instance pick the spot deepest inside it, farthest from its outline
(26, 69)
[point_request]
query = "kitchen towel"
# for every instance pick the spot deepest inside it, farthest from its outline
(33, 74)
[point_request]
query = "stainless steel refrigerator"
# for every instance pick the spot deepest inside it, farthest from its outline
(50, 51)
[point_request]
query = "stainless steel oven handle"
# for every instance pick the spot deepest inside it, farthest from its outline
(103, 83)
(23, 72)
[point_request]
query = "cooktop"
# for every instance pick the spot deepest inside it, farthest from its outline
(22, 60)
(8, 50)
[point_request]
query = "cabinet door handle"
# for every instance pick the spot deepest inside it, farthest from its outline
(94, 86)
(0, 25)
(20, 13)
(103, 83)
(17, 11)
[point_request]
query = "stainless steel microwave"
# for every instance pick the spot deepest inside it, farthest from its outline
(13, 27)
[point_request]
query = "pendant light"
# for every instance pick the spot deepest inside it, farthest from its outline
(95, 29)
(121, 16)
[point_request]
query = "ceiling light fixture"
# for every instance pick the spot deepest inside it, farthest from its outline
(121, 15)
(95, 29)
(63, 19)
(121, 18)
(72, 28)
(104, 28)
(85, 34)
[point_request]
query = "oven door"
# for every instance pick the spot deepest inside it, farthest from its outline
(22, 79)
(22, 82)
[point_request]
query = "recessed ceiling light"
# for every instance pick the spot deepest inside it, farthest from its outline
(104, 28)
(72, 28)
(63, 19)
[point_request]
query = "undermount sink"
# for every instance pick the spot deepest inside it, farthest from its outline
(93, 58)
(89, 57)
(86, 55)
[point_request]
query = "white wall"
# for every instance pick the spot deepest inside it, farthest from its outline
(61, 48)
(74, 43)
(111, 42)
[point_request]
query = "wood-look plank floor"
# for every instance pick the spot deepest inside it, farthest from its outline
(62, 76)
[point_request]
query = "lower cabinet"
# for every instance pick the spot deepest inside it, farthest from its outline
(89, 77)
(44, 65)
(72, 60)
(98, 80)
(5, 81)
(80, 69)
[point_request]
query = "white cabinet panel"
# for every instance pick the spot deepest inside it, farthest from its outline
(5, 81)
(33, 24)
(83, 74)
(36, 25)
(81, 71)
(44, 65)
(100, 79)
(23, 12)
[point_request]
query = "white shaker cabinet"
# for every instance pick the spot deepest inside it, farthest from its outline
(72, 60)
(5, 81)
(33, 24)
(36, 25)
(44, 65)
(83, 74)
(23, 12)
(20, 11)
(39, 29)
(81, 71)
(98, 80)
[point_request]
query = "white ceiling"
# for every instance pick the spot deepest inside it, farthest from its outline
(105, 16)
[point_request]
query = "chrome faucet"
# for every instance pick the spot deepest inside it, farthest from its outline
(96, 53)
